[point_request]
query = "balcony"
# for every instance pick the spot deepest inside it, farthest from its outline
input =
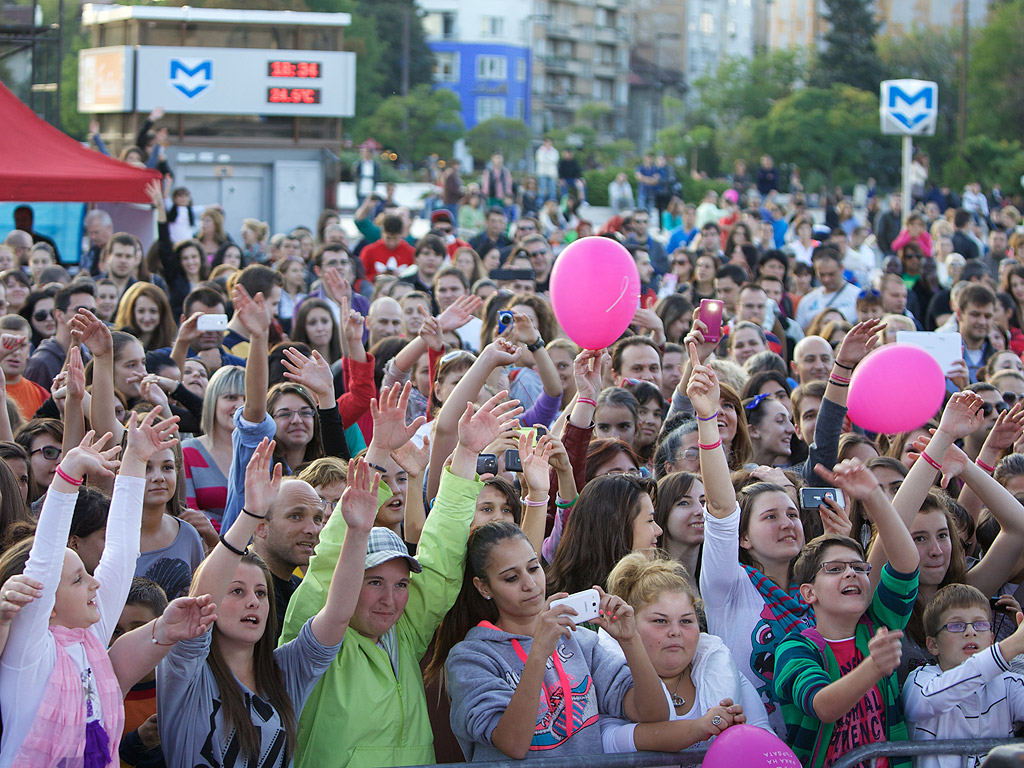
(608, 35)
(556, 63)
(559, 30)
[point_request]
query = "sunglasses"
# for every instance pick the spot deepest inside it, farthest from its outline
(1012, 398)
(50, 452)
(986, 408)
(42, 314)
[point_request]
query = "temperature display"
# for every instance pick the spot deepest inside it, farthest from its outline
(293, 95)
(293, 69)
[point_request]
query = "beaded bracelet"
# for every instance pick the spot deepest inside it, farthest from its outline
(586, 401)
(984, 466)
(712, 417)
(539, 503)
(847, 367)
(154, 641)
(709, 447)
(239, 552)
(931, 462)
(67, 478)
(563, 504)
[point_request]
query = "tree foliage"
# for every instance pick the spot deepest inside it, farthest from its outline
(507, 135)
(849, 55)
(748, 87)
(423, 123)
(995, 73)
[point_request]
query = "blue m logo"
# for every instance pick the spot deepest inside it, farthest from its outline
(901, 105)
(191, 80)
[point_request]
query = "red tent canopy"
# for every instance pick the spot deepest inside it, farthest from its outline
(40, 163)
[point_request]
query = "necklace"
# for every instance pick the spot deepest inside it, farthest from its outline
(677, 700)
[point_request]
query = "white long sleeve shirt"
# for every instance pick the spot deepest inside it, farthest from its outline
(978, 699)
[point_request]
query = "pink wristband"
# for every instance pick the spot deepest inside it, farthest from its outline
(542, 503)
(931, 462)
(586, 401)
(984, 466)
(66, 477)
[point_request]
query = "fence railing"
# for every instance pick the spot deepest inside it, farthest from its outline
(690, 758)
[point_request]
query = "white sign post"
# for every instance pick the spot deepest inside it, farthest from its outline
(908, 108)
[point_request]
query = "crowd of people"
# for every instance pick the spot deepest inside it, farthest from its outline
(320, 496)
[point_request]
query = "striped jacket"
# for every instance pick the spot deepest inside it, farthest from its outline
(804, 665)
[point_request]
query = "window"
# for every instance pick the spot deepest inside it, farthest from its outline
(446, 67)
(730, 28)
(520, 109)
(439, 25)
(492, 26)
(488, 107)
(707, 24)
(492, 67)
(520, 70)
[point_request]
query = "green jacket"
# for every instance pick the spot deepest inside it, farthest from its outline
(359, 715)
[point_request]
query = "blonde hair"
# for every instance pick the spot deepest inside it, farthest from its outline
(640, 581)
(258, 228)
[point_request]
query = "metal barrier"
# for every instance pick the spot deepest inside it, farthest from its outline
(690, 758)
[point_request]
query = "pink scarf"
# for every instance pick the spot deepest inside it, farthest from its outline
(60, 733)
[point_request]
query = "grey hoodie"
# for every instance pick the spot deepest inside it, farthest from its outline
(484, 669)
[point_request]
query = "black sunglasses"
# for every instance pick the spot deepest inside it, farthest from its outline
(41, 315)
(986, 408)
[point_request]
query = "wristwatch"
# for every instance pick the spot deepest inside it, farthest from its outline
(536, 344)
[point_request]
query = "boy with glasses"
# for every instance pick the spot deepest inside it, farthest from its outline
(970, 692)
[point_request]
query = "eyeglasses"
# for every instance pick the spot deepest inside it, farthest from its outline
(306, 414)
(681, 262)
(325, 505)
(691, 453)
(836, 567)
(50, 452)
(42, 314)
(959, 627)
(986, 408)
(756, 401)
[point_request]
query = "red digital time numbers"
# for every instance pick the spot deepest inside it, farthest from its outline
(293, 95)
(293, 69)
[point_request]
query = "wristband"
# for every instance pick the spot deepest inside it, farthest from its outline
(847, 367)
(250, 514)
(540, 503)
(709, 447)
(835, 383)
(563, 504)
(835, 377)
(712, 417)
(154, 641)
(66, 477)
(931, 462)
(985, 466)
(239, 552)
(586, 401)
(537, 344)
(377, 467)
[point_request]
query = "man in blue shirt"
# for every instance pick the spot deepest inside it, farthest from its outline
(648, 178)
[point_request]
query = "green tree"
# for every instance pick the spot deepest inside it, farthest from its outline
(988, 161)
(849, 55)
(747, 87)
(417, 125)
(391, 20)
(832, 131)
(507, 135)
(995, 72)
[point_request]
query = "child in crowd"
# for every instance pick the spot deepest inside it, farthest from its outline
(970, 692)
(837, 680)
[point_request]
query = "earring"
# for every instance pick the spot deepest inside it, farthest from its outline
(487, 597)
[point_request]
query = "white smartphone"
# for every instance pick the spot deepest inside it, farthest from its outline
(585, 603)
(212, 323)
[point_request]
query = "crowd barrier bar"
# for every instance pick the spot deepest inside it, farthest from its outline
(690, 758)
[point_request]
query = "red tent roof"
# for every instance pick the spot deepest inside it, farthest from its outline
(40, 163)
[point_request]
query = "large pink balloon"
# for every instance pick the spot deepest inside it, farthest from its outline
(747, 746)
(595, 291)
(896, 388)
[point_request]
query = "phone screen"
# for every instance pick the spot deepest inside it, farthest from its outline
(711, 315)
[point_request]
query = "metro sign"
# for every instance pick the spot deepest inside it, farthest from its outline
(191, 76)
(909, 107)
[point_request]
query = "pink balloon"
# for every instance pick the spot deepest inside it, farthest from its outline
(595, 291)
(896, 388)
(750, 747)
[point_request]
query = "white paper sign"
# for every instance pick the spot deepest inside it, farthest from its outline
(946, 348)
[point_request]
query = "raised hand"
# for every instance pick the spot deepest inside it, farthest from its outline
(89, 458)
(460, 312)
(155, 194)
(314, 373)
(262, 487)
(586, 371)
(19, 590)
(703, 388)
(359, 500)
(885, 650)
(189, 331)
(559, 458)
(147, 436)
(952, 463)
(1007, 430)
(536, 460)
(75, 374)
(959, 374)
(388, 412)
(251, 311)
(856, 480)
(478, 427)
(185, 618)
(336, 286)
(616, 616)
(523, 328)
(92, 332)
(153, 393)
(696, 337)
(860, 340)
(834, 519)
(552, 624)
(647, 318)
(9, 342)
(501, 352)
(412, 459)
(962, 415)
(430, 331)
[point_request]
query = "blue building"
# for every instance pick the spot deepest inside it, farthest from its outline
(491, 79)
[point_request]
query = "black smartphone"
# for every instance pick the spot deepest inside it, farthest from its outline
(512, 461)
(996, 607)
(487, 464)
(811, 498)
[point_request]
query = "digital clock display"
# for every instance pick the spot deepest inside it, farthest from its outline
(293, 95)
(293, 69)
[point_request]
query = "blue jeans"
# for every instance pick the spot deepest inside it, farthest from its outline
(547, 188)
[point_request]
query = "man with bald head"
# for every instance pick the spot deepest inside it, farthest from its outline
(385, 319)
(812, 359)
(286, 538)
(20, 242)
